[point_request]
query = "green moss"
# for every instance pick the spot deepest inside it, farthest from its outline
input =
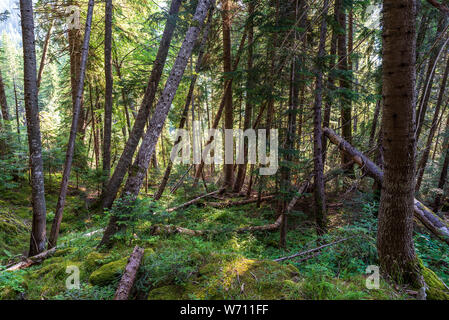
(436, 289)
(108, 273)
(171, 292)
(94, 260)
(64, 252)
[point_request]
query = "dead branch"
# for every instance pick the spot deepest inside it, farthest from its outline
(32, 260)
(129, 276)
(188, 203)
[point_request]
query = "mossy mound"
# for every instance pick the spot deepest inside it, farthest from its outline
(108, 273)
(236, 278)
(436, 289)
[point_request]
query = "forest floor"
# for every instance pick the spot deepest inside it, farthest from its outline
(219, 265)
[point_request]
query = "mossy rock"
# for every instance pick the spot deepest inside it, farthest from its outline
(8, 293)
(108, 273)
(64, 252)
(172, 292)
(94, 260)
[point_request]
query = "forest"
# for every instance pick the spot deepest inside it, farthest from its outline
(224, 150)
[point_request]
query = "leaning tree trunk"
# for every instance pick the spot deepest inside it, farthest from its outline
(182, 122)
(320, 199)
(126, 158)
(433, 128)
(73, 130)
(424, 102)
(38, 231)
(107, 131)
(140, 166)
(44, 55)
(129, 276)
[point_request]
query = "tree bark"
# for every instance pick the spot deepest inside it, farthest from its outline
(107, 131)
(38, 231)
(395, 230)
(129, 276)
(139, 124)
(140, 166)
(73, 130)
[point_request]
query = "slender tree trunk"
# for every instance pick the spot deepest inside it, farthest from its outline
(227, 68)
(422, 109)
(444, 168)
(320, 199)
(17, 109)
(345, 101)
(44, 55)
(374, 126)
(73, 131)
(125, 160)
(140, 166)
(5, 114)
(241, 173)
(394, 239)
(38, 231)
(330, 88)
(107, 131)
(425, 156)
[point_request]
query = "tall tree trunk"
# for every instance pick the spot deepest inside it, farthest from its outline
(425, 156)
(443, 174)
(38, 231)
(184, 114)
(345, 100)
(44, 55)
(374, 126)
(108, 93)
(17, 109)
(241, 173)
(73, 130)
(320, 199)
(227, 68)
(394, 239)
(330, 86)
(140, 166)
(125, 160)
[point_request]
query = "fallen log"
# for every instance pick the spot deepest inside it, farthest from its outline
(303, 253)
(170, 229)
(228, 204)
(32, 260)
(423, 214)
(189, 203)
(129, 276)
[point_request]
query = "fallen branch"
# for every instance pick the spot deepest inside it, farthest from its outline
(32, 260)
(227, 204)
(189, 203)
(423, 214)
(169, 229)
(129, 276)
(311, 250)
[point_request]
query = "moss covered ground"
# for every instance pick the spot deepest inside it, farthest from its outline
(220, 265)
